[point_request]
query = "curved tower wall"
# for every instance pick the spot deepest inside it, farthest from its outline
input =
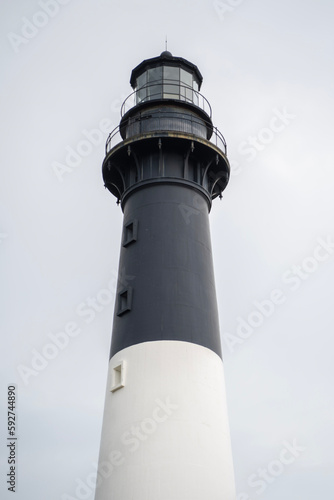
(165, 428)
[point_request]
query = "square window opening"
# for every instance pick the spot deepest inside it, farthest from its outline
(130, 232)
(118, 377)
(124, 301)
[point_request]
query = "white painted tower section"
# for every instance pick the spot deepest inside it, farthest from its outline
(165, 432)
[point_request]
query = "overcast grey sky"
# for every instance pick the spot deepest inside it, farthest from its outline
(268, 74)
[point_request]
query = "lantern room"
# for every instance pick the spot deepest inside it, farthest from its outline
(166, 77)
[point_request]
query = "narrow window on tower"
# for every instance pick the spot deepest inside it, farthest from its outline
(130, 232)
(118, 377)
(124, 301)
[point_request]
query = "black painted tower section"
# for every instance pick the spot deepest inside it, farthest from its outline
(165, 173)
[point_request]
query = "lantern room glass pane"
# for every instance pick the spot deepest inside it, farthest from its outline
(182, 93)
(141, 90)
(141, 80)
(186, 78)
(154, 74)
(189, 95)
(154, 79)
(195, 98)
(171, 73)
(171, 91)
(172, 88)
(154, 91)
(141, 95)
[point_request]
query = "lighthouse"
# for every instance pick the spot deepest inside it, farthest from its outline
(165, 432)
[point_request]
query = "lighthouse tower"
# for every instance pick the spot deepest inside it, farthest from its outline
(165, 433)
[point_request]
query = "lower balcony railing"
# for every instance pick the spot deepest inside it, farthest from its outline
(166, 121)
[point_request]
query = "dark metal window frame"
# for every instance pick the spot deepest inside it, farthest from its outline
(130, 232)
(124, 300)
